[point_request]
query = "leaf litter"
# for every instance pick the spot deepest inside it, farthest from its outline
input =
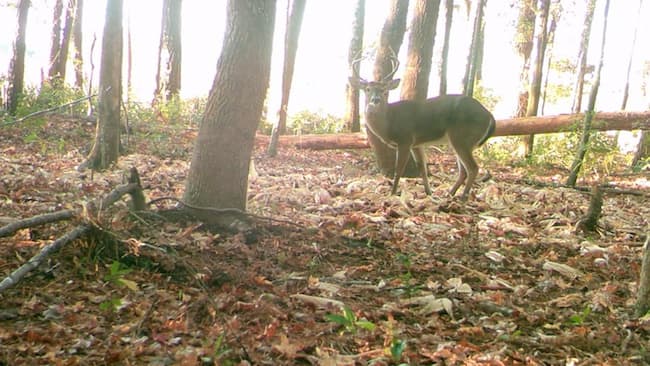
(502, 279)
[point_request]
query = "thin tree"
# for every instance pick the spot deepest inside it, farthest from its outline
(56, 38)
(352, 119)
(390, 42)
(218, 175)
(77, 37)
(582, 56)
(449, 14)
(475, 54)
(292, 35)
(555, 14)
(415, 83)
(170, 51)
(17, 64)
(106, 149)
(59, 62)
(539, 49)
(524, 46)
(626, 90)
(589, 114)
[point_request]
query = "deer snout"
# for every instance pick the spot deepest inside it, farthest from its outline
(375, 99)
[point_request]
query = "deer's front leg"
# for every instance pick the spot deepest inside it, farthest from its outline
(421, 161)
(401, 159)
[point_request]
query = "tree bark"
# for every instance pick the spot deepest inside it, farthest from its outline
(582, 57)
(586, 130)
(294, 22)
(449, 14)
(473, 59)
(55, 48)
(77, 36)
(602, 121)
(58, 68)
(218, 175)
(642, 149)
(626, 90)
(534, 89)
(170, 51)
(524, 46)
(106, 148)
(415, 83)
(17, 65)
(390, 41)
(352, 112)
(643, 295)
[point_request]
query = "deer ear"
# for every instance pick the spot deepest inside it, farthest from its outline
(393, 84)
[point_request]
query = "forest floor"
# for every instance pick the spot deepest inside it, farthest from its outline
(344, 275)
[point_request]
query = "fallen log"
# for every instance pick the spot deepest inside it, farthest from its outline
(603, 121)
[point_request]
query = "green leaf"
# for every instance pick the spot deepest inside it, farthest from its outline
(338, 319)
(131, 285)
(366, 325)
(397, 349)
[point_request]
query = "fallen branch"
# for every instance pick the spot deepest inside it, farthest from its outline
(47, 218)
(48, 110)
(91, 213)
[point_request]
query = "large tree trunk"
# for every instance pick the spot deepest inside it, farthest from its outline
(602, 121)
(449, 14)
(168, 69)
(586, 130)
(534, 89)
(106, 148)
(77, 36)
(218, 175)
(582, 57)
(390, 41)
(415, 83)
(294, 22)
(474, 56)
(352, 112)
(17, 65)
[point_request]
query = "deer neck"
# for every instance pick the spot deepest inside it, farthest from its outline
(377, 120)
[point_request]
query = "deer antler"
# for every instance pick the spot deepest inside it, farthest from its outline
(394, 61)
(355, 64)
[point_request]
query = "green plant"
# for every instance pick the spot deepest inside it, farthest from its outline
(397, 348)
(579, 319)
(349, 321)
(116, 273)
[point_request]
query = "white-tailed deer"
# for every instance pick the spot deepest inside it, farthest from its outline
(408, 126)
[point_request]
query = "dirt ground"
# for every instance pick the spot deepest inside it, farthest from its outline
(339, 274)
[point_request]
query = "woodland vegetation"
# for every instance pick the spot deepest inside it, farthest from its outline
(211, 231)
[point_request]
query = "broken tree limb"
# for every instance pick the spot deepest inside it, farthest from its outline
(35, 261)
(603, 121)
(47, 218)
(92, 212)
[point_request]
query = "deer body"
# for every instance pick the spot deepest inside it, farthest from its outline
(408, 126)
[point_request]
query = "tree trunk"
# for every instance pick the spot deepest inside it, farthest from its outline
(106, 148)
(582, 57)
(586, 130)
(524, 47)
(62, 57)
(473, 58)
(642, 305)
(534, 89)
(352, 112)
(449, 14)
(626, 90)
(294, 22)
(218, 175)
(415, 83)
(550, 41)
(642, 149)
(55, 48)
(77, 36)
(129, 60)
(390, 41)
(168, 68)
(17, 65)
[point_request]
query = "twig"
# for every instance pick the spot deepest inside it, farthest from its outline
(48, 110)
(225, 211)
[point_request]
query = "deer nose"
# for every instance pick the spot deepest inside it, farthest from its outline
(375, 99)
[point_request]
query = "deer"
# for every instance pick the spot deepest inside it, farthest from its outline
(408, 126)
